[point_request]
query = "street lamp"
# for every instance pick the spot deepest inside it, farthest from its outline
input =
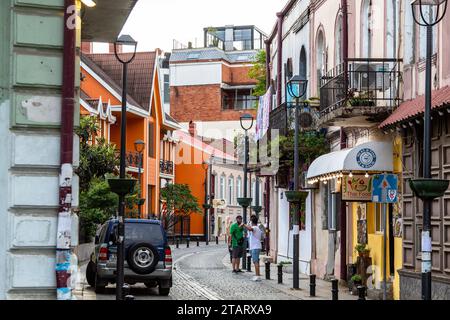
(297, 87)
(246, 121)
(139, 146)
(207, 166)
(124, 40)
(419, 186)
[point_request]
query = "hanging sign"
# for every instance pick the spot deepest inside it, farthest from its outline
(385, 188)
(356, 188)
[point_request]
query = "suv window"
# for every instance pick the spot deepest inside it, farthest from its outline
(102, 233)
(142, 232)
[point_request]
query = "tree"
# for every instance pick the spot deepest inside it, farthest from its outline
(178, 202)
(258, 73)
(97, 156)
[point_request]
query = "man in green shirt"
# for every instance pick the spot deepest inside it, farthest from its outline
(237, 243)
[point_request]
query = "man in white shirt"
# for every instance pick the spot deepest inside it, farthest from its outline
(255, 236)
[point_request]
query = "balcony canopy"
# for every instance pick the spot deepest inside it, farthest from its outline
(104, 22)
(369, 157)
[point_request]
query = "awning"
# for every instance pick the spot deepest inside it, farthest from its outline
(104, 22)
(368, 157)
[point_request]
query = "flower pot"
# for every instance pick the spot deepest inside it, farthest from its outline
(122, 187)
(257, 209)
(296, 196)
(429, 189)
(244, 202)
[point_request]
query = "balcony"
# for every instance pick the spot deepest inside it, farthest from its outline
(278, 119)
(166, 167)
(362, 96)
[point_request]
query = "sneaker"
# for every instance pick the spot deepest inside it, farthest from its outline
(258, 278)
(239, 271)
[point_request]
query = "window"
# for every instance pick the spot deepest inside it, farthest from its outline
(239, 187)
(238, 99)
(320, 58)
(166, 88)
(151, 140)
(409, 36)
(392, 23)
(222, 188)
(193, 56)
(230, 190)
(338, 52)
(367, 28)
(379, 223)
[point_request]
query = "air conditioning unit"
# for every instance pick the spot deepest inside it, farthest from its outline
(369, 76)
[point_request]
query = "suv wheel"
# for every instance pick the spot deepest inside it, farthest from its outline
(163, 291)
(99, 286)
(142, 258)
(90, 273)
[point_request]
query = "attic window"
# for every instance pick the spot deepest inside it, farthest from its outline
(242, 58)
(193, 56)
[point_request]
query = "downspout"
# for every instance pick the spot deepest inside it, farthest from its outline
(343, 138)
(63, 241)
(280, 17)
(267, 186)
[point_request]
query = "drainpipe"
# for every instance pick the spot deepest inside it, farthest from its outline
(63, 241)
(268, 60)
(343, 220)
(280, 16)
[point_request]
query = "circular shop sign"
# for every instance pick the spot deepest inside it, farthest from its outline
(366, 158)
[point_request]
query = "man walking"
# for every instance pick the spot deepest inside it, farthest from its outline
(237, 243)
(255, 236)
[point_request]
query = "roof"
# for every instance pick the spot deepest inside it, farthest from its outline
(413, 108)
(213, 54)
(140, 74)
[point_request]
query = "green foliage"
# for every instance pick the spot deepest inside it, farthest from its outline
(178, 202)
(356, 278)
(96, 160)
(360, 247)
(258, 73)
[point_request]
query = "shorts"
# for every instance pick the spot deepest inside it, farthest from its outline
(255, 255)
(237, 252)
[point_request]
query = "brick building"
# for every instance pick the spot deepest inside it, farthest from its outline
(210, 85)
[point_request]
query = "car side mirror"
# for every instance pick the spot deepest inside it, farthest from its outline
(97, 239)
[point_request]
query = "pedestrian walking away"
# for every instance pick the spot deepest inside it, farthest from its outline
(237, 243)
(255, 236)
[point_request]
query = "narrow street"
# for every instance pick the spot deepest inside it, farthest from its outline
(204, 273)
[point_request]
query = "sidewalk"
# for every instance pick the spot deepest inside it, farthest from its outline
(323, 288)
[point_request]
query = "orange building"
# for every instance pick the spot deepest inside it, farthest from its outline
(146, 120)
(192, 156)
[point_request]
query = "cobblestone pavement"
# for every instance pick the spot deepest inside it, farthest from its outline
(204, 273)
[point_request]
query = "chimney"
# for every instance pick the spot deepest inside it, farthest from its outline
(192, 129)
(87, 47)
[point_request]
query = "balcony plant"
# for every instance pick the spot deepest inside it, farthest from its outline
(362, 250)
(361, 100)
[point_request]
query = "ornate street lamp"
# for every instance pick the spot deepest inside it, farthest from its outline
(207, 166)
(139, 146)
(246, 121)
(297, 87)
(124, 40)
(427, 188)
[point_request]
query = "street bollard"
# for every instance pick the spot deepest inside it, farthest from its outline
(217, 240)
(187, 243)
(334, 289)
(280, 273)
(198, 243)
(249, 263)
(125, 290)
(312, 285)
(267, 270)
(178, 243)
(361, 292)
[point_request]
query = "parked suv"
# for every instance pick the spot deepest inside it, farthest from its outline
(148, 257)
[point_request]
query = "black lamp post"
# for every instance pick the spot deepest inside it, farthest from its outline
(207, 166)
(139, 146)
(297, 89)
(246, 124)
(423, 187)
(124, 40)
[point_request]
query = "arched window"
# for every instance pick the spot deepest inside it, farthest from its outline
(366, 29)
(338, 49)
(239, 187)
(320, 58)
(222, 187)
(392, 25)
(230, 191)
(303, 72)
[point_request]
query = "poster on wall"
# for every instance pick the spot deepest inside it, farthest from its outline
(357, 188)
(362, 223)
(397, 218)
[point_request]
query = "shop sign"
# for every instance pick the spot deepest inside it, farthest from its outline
(356, 188)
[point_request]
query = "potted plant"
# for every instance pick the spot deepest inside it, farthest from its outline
(366, 252)
(356, 281)
(361, 248)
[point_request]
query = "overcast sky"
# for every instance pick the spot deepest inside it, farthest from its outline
(155, 23)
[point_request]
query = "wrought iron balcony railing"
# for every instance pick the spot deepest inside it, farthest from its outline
(166, 167)
(367, 83)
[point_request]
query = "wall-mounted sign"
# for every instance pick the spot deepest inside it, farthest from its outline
(366, 158)
(385, 188)
(362, 223)
(219, 204)
(356, 188)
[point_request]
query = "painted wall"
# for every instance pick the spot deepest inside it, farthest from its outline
(192, 74)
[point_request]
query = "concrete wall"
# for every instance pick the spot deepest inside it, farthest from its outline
(195, 74)
(30, 108)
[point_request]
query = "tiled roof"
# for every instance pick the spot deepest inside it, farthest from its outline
(412, 108)
(212, 54)
(140, 73)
